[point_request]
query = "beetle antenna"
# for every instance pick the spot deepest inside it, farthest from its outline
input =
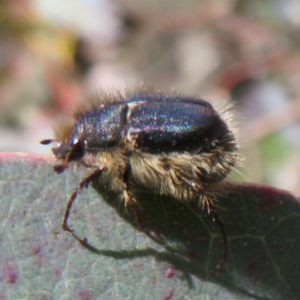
(47, 141)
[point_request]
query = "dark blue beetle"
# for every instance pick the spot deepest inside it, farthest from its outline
(177, 145)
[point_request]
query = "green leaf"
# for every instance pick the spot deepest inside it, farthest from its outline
(159, 249)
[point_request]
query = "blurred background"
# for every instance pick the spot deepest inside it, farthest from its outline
(56, 54)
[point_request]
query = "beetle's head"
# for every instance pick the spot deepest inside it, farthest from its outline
(68, 147)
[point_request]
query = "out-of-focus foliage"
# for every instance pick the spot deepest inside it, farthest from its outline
(54, 54)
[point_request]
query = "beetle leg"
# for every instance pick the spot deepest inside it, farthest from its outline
(130, 203)
(84, 183)
(127, 195)
(224, 238)
(208, 205)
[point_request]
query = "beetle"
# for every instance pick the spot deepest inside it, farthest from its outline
(174, 144)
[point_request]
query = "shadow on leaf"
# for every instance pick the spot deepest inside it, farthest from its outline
(253, 218)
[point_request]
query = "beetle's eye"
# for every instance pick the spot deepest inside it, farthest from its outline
(76, 151)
